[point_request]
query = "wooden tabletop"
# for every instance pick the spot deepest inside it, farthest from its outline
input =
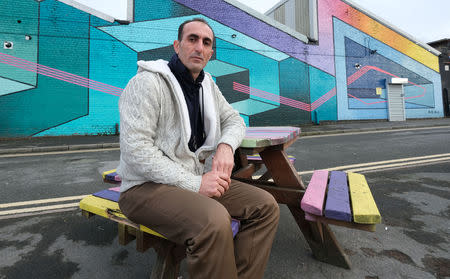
(268, 136)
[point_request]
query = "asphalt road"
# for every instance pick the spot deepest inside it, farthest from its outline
(413, 197)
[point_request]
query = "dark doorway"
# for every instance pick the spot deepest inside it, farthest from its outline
(446, 99)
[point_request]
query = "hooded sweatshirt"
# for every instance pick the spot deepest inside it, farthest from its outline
(155, 129)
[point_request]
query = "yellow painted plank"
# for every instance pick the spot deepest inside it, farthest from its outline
(99, 207)
(364, 208)
(107, 172)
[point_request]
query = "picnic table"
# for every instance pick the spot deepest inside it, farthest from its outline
(287, 186)
(262, 146)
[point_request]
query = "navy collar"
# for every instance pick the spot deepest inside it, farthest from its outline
(182, 73)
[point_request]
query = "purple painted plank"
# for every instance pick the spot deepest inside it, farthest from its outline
(113, 177)
(338, 201)
(314, 197)
(108, 195)
(235, 224)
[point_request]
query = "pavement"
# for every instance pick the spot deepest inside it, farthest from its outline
(63, 143)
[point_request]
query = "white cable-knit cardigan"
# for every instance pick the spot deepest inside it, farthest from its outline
(155, 129)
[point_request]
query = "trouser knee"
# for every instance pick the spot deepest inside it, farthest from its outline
(270, 207)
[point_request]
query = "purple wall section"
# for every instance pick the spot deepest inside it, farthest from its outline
(239, 20)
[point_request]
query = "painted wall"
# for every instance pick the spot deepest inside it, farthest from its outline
(68, 78)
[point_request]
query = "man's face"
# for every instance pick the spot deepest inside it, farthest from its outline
(195, 47)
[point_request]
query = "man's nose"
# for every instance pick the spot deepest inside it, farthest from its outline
(199, 46)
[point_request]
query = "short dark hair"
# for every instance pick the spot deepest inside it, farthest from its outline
(199, 19)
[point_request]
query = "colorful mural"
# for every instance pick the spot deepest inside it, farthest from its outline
(66, 69)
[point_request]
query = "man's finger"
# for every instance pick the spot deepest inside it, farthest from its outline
(217, 194)
(225, 186)
(221, 189)
(225, 176)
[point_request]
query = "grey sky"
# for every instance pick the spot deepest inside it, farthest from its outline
(425, 20)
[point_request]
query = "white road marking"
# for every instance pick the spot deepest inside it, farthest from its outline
(58, 152)
(420, 162)
(387, 163)
(38, 208)
(21, 215)
(372, 132)
(33, 202)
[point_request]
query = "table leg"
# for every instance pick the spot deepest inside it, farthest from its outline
(321, 240)
(281, 169)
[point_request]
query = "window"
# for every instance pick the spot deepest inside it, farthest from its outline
(300, 15)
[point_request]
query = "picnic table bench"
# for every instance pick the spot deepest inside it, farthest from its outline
(313, 208)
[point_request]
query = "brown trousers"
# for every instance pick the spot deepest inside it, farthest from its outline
(203, 225)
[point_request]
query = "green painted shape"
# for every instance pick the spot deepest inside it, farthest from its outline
(218, 68)
(19, 18)
(321, 83)
(251, 106)
(8, 86)
(253, 143)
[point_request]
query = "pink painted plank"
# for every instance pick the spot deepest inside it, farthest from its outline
(313, 199)
(115, 189)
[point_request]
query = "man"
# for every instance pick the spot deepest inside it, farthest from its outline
(173, 117)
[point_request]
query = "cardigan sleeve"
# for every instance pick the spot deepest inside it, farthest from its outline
(231, 123)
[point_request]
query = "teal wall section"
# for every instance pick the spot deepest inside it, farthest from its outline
(112, 63)
(19, 18)
(322, 83)
(62, 46)
(263, 70)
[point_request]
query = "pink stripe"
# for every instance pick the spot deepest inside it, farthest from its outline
(58, 73)
(64, 77)
(62, 72)
(279, 99)
(32, 68)
(269, 96)
(365, 101)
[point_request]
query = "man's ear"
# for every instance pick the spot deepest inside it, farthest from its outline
(176, 46)
(211, 54)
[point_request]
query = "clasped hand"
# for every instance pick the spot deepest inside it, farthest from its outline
(216, 182)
